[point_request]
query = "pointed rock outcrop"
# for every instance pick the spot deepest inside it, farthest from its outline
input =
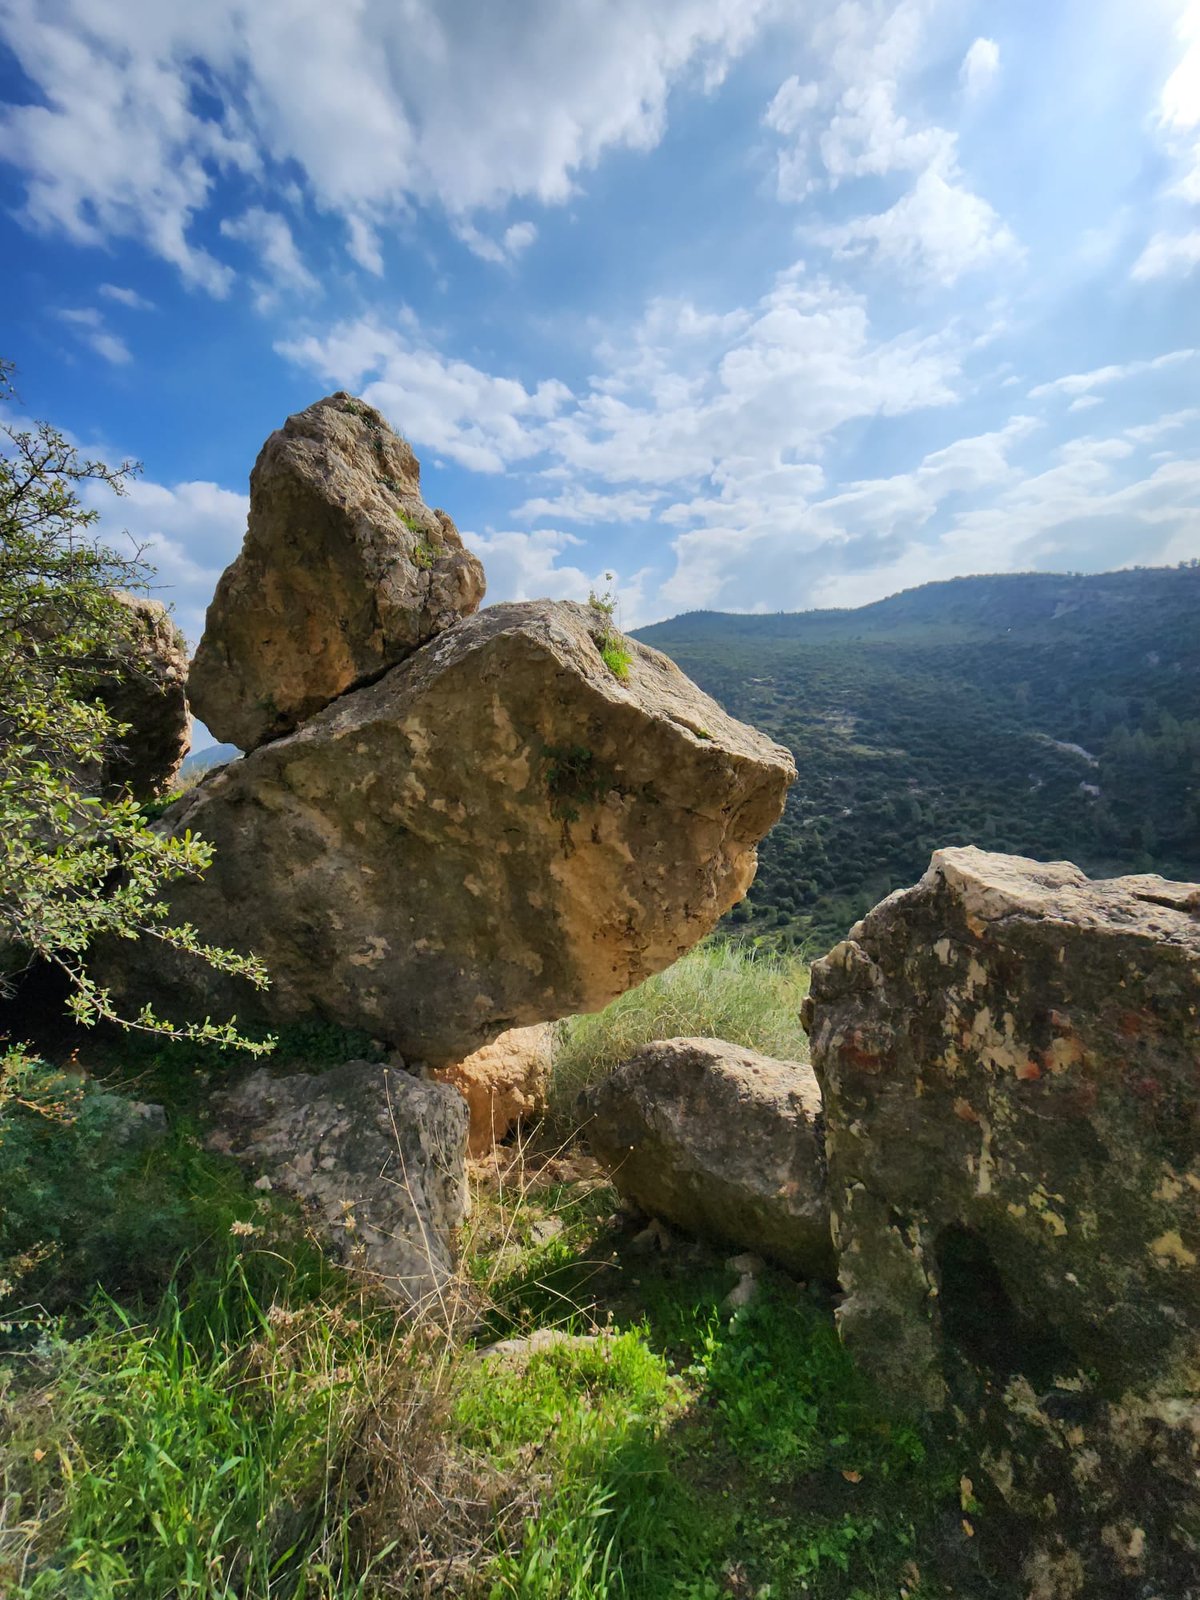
(344, 572)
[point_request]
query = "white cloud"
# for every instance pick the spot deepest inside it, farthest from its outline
(684, 397)
(980, 66)
(844, 122)
(848, 125)
(88, 326)
(129, 298)
(1168, 256)
(378, 105)
(1085, 402)
(190, 533)
(519, 237)
(515, 239)
(938, 230)
(580, 505)
(1078, 513)
(1148, 433)
(479, 420)
(524, 566)
(1079, 383)
(1174, 252)
(270, 238)
(363, 244)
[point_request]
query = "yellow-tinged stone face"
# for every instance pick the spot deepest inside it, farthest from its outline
(1169, 1250)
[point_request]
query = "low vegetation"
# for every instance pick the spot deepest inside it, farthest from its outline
(720, 990)
(1043, 715)
(193, 1402)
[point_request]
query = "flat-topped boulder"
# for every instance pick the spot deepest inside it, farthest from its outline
(1008, 1056)
(499, 831)
(344, 571)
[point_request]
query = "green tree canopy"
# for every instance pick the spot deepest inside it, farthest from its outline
(76, 865)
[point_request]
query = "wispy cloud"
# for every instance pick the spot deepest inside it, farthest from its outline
(88, 326)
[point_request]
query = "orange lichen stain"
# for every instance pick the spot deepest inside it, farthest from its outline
(1060, 1022)
(1030, 1072)
(1063, 1053)
(965, 1111)
(976, 924)
(1133, 1023)
(864, 1060)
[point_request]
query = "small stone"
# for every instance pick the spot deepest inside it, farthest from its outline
(721, 1142)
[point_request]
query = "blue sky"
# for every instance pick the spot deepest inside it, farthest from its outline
(757, 305)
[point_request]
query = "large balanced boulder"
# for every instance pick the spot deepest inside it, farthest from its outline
(1009, 1056)
(144, 690)
(721, 1141)
(502, 1083)
(499, 831)
(376, 1155)
(344, 571)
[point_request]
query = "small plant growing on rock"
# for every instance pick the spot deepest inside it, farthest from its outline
(574, 777)
(614, 651)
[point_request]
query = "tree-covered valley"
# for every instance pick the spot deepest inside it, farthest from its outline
(1042, 715)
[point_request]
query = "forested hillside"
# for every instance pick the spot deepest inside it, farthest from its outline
(1045, 715)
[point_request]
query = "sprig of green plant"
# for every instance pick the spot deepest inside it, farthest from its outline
(574, 777)
(612, 645)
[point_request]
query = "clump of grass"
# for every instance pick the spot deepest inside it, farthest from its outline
(717, 991)
(152, 1459)
(616, 657)
(612, 645)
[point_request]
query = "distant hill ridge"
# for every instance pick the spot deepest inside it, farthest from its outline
(1051, 715)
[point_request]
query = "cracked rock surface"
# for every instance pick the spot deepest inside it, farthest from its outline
(497, 832)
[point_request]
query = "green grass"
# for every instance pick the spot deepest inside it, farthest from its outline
(687, 1454)
(719, 990)
(260, 1434)
(615, 654)
(259, 1429)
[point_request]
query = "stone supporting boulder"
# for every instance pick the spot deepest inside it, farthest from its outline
(1010, 1061)
(344, 571)
(499, 831)
(722, 1142)
(147, 692)
(377, 1156)
(502, 1083)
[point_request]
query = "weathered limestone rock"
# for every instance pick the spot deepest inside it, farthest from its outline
(1008, 1055)
(497, 832)
(147, 690)
(344, 571)
(378, 1156)
(502, 1083)
(721, 1141)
